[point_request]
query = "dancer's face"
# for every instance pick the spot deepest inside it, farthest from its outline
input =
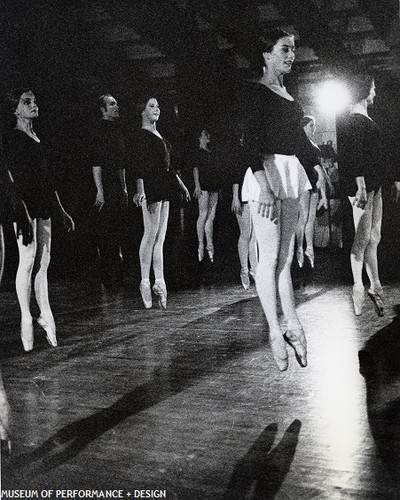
(111, 110)
(281, 57)
(309, 129)
(151, 112)
(27, 108)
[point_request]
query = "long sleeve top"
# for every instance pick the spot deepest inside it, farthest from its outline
(272, 126)
(152, 163)
(34, 183)
(361, 154)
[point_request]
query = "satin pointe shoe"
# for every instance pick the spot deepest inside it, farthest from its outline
(145, 292)
(161, 292)
(200, 253)
(210, 251)
(279, 352)
(358, 296)
(27, 334)
(49, 327)
(377, 298)
(309, 253)
(245, 279)
(297, 341)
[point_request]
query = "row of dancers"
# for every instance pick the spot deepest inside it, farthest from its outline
(278, 184)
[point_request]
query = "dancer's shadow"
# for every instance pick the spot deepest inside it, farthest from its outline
(380, 366)
(262, 470)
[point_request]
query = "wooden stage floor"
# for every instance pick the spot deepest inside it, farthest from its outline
(189, 400)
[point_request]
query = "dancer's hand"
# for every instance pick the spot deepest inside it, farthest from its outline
(67, 221)
(236, 206)
(98, 204)
(197, 192)
(138, 199)
(24, 224)
(267, 204)
(361, 198)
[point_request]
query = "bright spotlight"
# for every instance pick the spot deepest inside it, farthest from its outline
(333, 97)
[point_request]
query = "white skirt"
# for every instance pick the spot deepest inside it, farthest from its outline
(285, 175)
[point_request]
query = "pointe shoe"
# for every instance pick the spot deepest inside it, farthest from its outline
(245, 279)
(49, 327)
(309, 253)
(145, 292)
(279, 353)
(210, 251)
(377, 298)
(358, 296)
(200, 253)
(253, 274)
(161, 292)
(300, 257)
(297, 341)
(27, 335)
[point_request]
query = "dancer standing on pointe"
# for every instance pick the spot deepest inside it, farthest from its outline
(207, 185)
(310, 201)
(156, 184)
(362, 173)
(26, 159)
(274, 141)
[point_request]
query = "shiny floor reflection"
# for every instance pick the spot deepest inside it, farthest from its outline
(189, 399)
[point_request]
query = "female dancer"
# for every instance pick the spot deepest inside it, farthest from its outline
(156, 183)
(247, 246)
(26, 159)
(308, 203)
(206, 192)
(362, 173)
(273, 141)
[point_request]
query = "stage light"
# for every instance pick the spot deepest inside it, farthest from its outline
(333, 97)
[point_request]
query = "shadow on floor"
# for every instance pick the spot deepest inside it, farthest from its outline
(380, 366)
(262, 470)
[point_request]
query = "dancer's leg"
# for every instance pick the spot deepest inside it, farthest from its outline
(23, 280)
(362, 225)
(289, 211)
(268, 239)
(158, 257)
(371, 251)
(209, 226)
(23, 284)
(245, 227)
(310, 226)
(151, 223)
(304, 207)
(201, 222)
(42, 261)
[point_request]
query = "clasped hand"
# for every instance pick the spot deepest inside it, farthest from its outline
(267, 205)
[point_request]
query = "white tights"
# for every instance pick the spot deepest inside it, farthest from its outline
(34, 260)
(305, 226)
(247, 247)
(367, 225)
(151, 246)
(275, 252)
